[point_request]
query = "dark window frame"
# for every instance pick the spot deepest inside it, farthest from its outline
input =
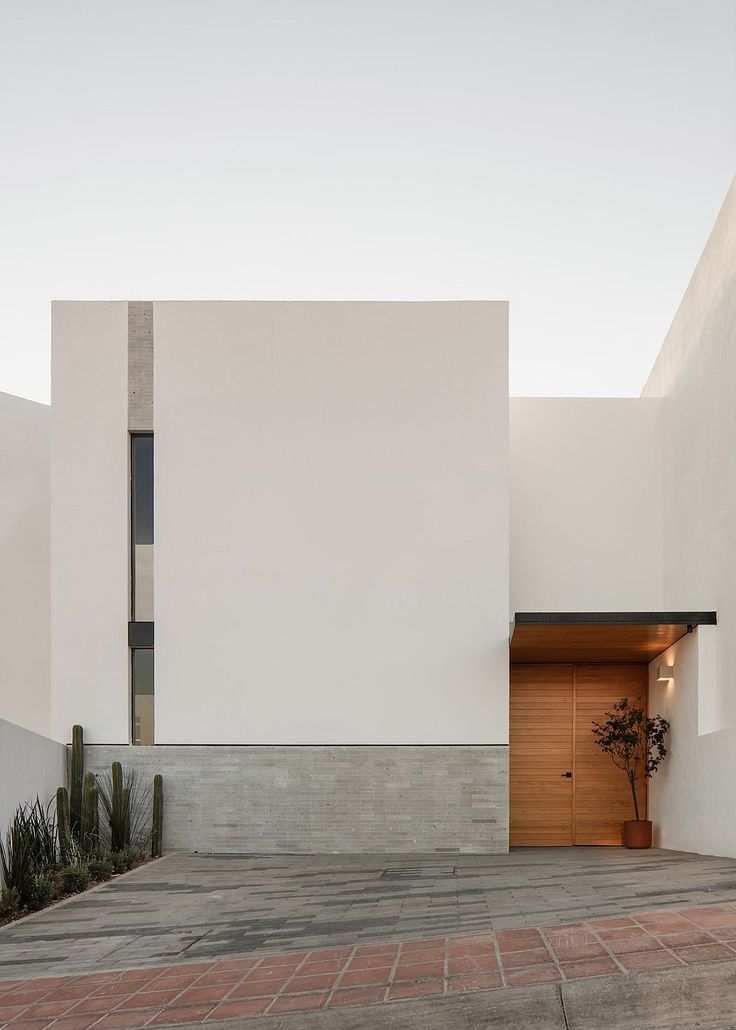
(133, 652)
(132, 528)
(140, 634)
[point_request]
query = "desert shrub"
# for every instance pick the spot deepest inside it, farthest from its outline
(73, 879)
(28, 858)
(126, 858)
(9, 902)
(133, 856)
(101, 867)
(126, 803)
(42, 892)
(17, 858)
(119, 861)
(74, 853)
(40, 827)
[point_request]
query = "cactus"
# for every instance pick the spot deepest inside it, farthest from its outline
(119, 810)
(117, 814)
(62, 822)
(90, 814)
(158, 816)
(117, 779)
(77, 776)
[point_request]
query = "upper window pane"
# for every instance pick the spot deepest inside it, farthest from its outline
(142, 475)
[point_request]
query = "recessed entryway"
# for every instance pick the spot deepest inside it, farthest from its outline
(563, 789)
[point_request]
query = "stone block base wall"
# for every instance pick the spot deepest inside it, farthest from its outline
(320, 800)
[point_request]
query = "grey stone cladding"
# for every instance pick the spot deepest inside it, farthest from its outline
(328, 799)
(140, 366)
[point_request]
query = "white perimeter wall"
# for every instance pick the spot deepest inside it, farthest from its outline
(89, 520)
(24, 558)
(691, 797)
(586, 504)
(331, 523)
(695, 374)
(31, 765)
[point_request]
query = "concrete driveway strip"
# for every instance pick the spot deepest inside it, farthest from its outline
(682, 999)
(701, 997)
(530, 1008)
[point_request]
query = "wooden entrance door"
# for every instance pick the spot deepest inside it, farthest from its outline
(552, 708)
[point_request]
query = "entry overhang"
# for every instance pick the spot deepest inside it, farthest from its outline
(599, 636)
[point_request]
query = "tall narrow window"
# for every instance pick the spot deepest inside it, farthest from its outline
(142, 692)
(141, 465)
(140, 630)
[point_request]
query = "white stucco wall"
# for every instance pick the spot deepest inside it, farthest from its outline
(30, 765)
(89, 520)
(691, 796)
(24, 557)
(695, 375)
(586, 504)
(331, 523)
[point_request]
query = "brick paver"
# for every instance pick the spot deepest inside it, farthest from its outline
(369, 974)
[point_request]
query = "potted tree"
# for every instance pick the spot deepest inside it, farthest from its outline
(635, 743)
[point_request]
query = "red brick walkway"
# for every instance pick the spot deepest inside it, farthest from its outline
(369, 974)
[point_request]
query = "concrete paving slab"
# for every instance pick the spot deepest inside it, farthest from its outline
(683, 999)
(533, 1008)
(702, 998)
(212, 906)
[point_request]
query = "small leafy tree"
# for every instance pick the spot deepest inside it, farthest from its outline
(634, 741)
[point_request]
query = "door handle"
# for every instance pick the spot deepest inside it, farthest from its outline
(568, 775)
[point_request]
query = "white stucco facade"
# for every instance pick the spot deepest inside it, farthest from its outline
(89, 521)
(695, 375)
(331, 505)
(24, 559)
(586, 505)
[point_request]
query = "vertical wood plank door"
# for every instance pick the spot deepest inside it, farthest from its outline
(602, 792)
(540, 753)
(552, 710)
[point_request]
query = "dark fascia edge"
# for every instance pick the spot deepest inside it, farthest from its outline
(140, 634)
(619, 618)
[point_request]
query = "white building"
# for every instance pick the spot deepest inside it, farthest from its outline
(287, 541)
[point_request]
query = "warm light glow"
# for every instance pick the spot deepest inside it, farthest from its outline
(665, 672)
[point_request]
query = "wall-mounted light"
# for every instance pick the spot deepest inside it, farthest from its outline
(665, 672)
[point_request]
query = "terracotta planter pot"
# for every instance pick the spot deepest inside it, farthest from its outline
(637, 833)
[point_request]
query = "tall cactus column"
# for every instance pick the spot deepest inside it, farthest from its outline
(157, 832)
(62, 822)
(76, 784)
(119, 803)
(90, 814)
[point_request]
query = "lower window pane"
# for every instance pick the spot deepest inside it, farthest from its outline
(142, 677)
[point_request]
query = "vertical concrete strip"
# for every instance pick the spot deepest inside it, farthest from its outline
(140, 366)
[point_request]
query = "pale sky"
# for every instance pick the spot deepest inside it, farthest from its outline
(569, 157)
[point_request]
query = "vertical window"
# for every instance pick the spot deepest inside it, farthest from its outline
(141, 558)
(142, 684)
(140, 632)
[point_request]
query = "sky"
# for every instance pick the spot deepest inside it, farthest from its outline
(569, 157)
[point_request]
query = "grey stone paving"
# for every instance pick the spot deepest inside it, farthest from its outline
(189, 907)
